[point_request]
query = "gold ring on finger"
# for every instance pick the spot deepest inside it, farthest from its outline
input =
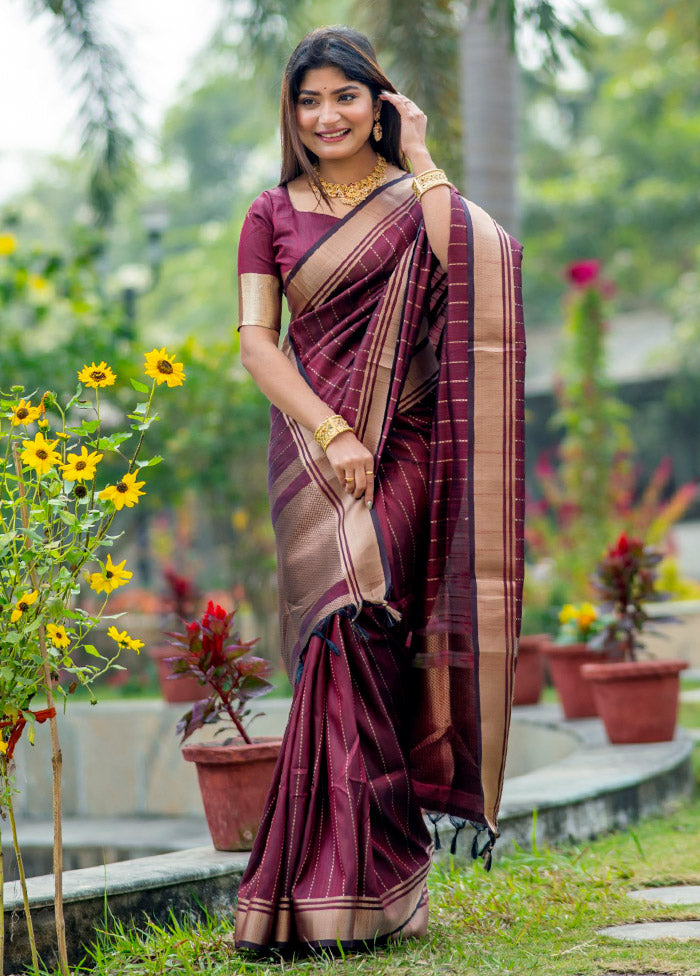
(369, 472)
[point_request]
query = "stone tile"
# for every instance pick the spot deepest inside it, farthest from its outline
(654, 931)
(670, 895)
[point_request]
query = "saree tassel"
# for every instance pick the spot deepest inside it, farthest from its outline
(459, 824)
(483, 846)
(395, 616)
(359, 630)
(326, 640)
(435, 819)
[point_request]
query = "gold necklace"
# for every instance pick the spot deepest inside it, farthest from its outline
(354, 193)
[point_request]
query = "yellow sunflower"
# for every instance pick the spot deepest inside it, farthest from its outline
(25, 413)
(124, 640)
(24, 603)
(39, 453)
(163, 369)
(112, 577)
(8, 244)
(125, 493)
(57, 635)
(96, 376)
(81, 467)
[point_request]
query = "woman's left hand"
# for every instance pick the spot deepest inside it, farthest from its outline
(414, 124)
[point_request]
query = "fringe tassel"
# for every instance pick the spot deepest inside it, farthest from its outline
(435, 819)
(459, 824)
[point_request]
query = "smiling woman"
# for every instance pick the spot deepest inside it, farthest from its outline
(398, 525)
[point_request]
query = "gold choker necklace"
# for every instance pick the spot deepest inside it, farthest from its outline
(354, 193)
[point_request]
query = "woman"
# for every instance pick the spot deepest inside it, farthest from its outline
(395, 478)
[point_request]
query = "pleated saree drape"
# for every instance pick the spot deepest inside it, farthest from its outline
(399, 624)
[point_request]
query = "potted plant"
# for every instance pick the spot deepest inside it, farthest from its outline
(529, 669)
(637, 700)
(235, 774)
(180, 602)
(573, 647)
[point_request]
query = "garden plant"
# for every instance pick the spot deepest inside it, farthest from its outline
(57, 511)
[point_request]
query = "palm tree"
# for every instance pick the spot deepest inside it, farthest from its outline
(108, 112)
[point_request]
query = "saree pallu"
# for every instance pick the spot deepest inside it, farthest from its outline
(399, 624)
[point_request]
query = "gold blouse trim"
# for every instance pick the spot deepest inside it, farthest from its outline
(259, 301)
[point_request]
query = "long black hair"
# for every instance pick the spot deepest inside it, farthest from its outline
(352, 53)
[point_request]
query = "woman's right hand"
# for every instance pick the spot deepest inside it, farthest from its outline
(353, 465)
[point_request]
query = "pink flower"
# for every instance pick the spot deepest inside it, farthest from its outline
(581, 274)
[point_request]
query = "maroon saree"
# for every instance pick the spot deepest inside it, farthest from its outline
(399, 625)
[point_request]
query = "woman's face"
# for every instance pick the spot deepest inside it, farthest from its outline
(334, 114)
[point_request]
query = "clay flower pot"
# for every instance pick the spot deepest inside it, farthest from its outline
(636, 700)
(564, 662)
(183, 689)
(529, 669)
(234, 780)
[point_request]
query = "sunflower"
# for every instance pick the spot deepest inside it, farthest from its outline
(24, 603)
(39, 453)
(125, 492)
(81, 467)
(124, 640)
(163, 369)
(112, 577)
(57, 635)
(8, 244)
(25, 413)
(95, 376)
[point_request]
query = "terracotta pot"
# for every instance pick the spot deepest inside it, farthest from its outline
(183, 689)
(636, 700)
(564, 662)
(529, 669)
(234, 781)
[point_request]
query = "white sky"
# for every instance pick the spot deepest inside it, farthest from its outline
(37, 108)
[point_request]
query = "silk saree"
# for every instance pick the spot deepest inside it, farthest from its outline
(398, 624)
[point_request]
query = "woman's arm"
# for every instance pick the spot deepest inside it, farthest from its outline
(283, 386)
(436, 201)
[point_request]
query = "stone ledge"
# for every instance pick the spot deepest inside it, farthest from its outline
(182, 882)
(597, 788)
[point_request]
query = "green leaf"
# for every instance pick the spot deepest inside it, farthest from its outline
(150, 463)
(112, 442)
(140, 387)
(92, 651)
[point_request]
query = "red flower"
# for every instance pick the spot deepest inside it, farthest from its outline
(581, 274)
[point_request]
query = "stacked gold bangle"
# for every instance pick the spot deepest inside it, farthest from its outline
(330, 429)
(427, 180)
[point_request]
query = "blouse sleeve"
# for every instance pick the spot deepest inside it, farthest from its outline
(259, 280)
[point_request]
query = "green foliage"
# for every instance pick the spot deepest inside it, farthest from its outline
(609, 162)
(591, 493)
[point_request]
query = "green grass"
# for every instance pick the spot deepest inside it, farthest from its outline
(535, 914)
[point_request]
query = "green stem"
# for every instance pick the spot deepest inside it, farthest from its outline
(23, 884)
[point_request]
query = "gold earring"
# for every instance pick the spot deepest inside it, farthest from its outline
(377, 127)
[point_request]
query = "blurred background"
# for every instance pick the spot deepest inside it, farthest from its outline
(134, 136)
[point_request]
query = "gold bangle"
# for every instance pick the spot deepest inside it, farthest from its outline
(427, 180)
(329, 429)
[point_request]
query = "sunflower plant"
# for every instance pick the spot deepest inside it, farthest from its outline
(57, 512)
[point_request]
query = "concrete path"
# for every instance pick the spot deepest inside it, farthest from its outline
(654, 931)
(671, 895)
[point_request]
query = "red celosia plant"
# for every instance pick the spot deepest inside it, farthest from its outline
(218, 657)
(182, 595)
(625, 581)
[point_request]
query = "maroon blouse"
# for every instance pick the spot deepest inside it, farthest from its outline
(275, 236)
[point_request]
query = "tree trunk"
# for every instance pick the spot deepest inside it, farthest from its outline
(490, 96)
